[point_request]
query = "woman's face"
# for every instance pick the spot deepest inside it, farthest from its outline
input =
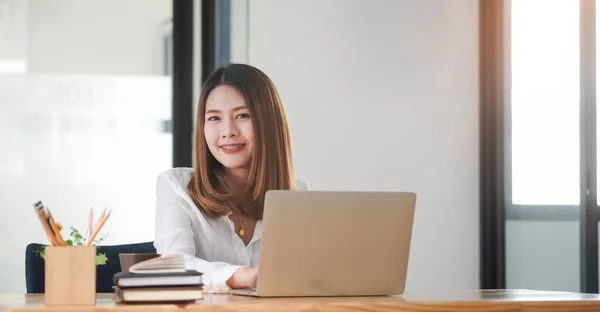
(229, 130)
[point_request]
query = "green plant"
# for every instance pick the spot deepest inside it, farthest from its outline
(76, 239)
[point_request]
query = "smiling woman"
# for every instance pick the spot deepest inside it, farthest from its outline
(213, 213)
(237, 104)
(229, 131)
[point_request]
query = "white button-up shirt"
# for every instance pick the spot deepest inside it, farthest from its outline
(210, 245)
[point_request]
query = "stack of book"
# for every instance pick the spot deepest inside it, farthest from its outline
(161, 279)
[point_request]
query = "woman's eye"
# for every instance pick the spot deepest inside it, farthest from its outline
(243, 116)
(213, 118)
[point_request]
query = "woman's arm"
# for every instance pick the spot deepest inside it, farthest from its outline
(174, 234)
(243, 277)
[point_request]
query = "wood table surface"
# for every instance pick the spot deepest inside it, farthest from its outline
(475, 300)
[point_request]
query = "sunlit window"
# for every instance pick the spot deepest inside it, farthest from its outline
(545, 102)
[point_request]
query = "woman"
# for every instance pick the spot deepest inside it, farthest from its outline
(212, 213)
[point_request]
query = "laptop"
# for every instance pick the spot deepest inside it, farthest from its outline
(334, 243)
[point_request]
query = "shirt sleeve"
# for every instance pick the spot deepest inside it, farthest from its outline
(303, 185)
(174, 234)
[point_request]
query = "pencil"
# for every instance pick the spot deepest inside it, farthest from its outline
(98, 227)
(89, 227)
(38, 207)
(55, 229)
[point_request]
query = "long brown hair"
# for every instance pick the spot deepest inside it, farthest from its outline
(271, 167)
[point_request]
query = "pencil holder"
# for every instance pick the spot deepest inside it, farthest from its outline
(70, 278)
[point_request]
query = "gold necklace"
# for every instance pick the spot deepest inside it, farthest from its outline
(241, 231)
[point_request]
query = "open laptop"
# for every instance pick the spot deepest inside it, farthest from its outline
(328, 243)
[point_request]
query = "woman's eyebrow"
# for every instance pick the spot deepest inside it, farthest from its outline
(216, 111)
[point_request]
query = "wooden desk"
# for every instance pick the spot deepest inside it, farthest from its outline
(477, 300)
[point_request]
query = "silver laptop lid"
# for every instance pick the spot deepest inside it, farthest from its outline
(324, 243)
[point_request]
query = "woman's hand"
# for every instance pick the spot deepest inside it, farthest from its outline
(243, 278)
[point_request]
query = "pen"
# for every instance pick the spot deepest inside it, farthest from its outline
(98, 227)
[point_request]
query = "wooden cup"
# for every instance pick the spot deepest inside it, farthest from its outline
(70, 278)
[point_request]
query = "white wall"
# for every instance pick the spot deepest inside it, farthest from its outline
(110, 36)
(13, 36)
(383, 95)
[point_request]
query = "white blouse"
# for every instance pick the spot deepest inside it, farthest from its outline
(210, 245)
